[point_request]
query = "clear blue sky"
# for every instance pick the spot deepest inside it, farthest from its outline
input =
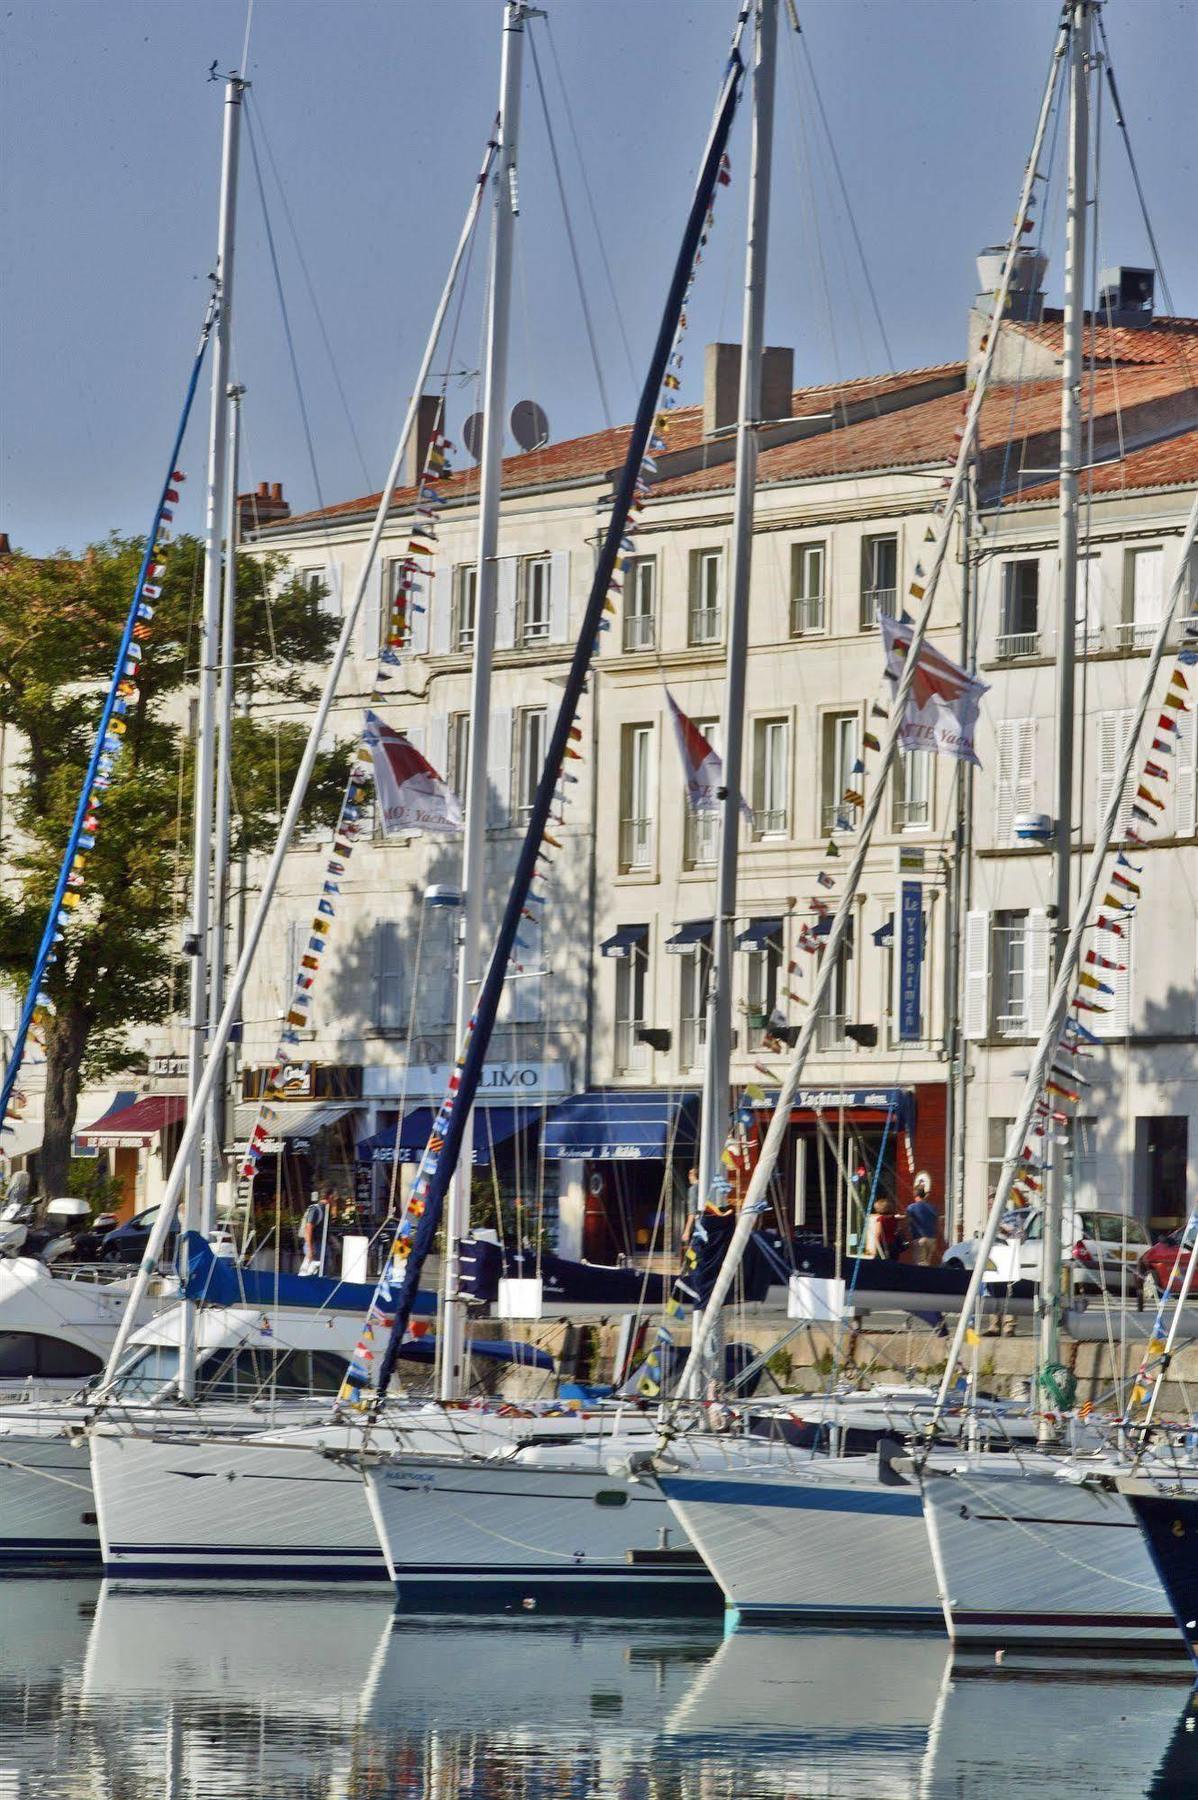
(376, 111)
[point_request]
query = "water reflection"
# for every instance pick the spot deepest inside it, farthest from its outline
(324, 1696)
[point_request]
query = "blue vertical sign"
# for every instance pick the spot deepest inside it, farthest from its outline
(910, 946)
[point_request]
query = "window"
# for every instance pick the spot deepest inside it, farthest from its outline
(806, 588)
(531, 738)
(320, 590)
(1019, 625)
(465, 605)
(1112, 734)
(840, 752)
(391, 1012)
(912, 790)
(879, 579)
(706, 611)
(526, 976)
(771, 777)
(636, 798)
(534, 600)
(837, 1008)
(1014, 776)
(1010, 974)
(26, 1354)
(1090, 602)
(632, 980)
(761, 988)
(997, 1133)
(1143, 597)
(640, 602)
(459, 754)
(695, 978)
(701, 835)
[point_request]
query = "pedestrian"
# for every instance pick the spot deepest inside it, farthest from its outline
(314, 1232)
(922, 1222)
(882, 1239)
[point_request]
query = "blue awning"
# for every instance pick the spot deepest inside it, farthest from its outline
(493, 1125)
(898, 1102)
(687, 936)
(644, 1126)
(758, 933)
(624, 941)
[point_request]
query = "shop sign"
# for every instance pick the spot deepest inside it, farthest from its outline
(507, 1081)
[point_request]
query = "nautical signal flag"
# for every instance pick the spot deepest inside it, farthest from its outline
(702, 765)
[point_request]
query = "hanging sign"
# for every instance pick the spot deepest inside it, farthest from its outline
(910, 961)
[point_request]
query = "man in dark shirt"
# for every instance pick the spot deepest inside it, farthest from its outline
(922, 1222)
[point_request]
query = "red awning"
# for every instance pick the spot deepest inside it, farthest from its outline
(135, 1127)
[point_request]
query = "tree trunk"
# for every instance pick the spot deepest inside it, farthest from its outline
(66, 1041)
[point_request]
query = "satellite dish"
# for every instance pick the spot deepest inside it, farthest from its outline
(530, 426)
(472, 435)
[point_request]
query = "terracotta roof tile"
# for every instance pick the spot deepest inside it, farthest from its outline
(1171, 341)
(1171, 463)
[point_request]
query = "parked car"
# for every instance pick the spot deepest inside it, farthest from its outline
(1101, 1250)
(1163, 1266)
(127, 1244)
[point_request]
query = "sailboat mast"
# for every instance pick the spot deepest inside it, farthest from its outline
(214, 1130)
(452, 1329)
(717, 1060)
(194, 1205)
(1070, 453)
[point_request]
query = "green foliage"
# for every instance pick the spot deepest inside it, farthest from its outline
(88, 1179)
(60, 623)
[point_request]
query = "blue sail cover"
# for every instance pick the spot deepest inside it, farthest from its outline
(222, 1282)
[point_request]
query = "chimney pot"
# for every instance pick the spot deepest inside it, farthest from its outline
(276, 490)
(721, 386)
(5, 546)
(263, 490)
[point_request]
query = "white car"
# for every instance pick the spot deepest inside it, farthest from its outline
(1101, 1250)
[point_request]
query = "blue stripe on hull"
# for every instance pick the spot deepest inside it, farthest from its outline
(900, 1618)
(891, 1501)
(616, 1593)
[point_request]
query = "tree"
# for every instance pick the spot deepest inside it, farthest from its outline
(119, 964)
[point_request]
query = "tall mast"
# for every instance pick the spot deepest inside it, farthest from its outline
(451, 1332)
(214, 1130)
(205, 753)
(717, 1060)
(1070, 452)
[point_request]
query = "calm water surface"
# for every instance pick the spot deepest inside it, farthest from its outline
(109, 1695)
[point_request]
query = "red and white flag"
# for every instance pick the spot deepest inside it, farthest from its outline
(411, 795)
(941, 714)
(702, 766)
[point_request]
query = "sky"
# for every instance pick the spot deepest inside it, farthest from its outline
(369, 119)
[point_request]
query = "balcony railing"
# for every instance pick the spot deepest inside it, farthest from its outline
(829, 1031)
(1013, 644)
(640, 631)
(631, 1056)
(769, 821)
(1086, 641)
(1011, 1024)
(691, 1038)
(874, 601)
(702, 837)
(636, 843)
(1138, 634)
(909, 813)
(838, 817)
(706, 624)
(806, 614)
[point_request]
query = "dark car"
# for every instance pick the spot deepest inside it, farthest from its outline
(1164, 1265)
(127, 1244)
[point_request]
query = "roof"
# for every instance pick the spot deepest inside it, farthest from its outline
(132, 1126)
(1171, 463)
(597, 452)
(1171, 342)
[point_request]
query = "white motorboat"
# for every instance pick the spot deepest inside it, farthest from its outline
(56, 1330)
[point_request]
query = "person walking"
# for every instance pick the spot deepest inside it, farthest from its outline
(922, 1222)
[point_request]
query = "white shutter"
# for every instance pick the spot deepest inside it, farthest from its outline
(1113, 728)
(559, 597)
(374, 613)
(1184, 776)
(331, 577)
(1037, 965)
(499, 766)
(440, 611)
(1148, 594)
(505, 602)
(1116, 1021)
(438, 743)
(1014, 775)
(422, 596)
(10, 1009)
(976, 1022)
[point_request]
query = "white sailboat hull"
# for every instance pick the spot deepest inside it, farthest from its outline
(47, 1513)
(512, 1532)
(823, 1544)
(1026, 1560)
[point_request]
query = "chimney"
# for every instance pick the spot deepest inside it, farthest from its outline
(721, 386)
(1126, 296)
(265, 507)
(1025, 296)
(428, 423)
(5, 546)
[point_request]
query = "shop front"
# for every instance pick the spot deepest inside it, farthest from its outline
(624, 1157)
(140, 1138)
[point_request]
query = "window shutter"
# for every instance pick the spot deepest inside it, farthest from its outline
(499, 766)
(440, 611)
(390, 1011)
(977, 975)
(1113, 728)
(10, 1009)
(505, 602)
(1116, 1021)
(331, 576)
(421, 595)
(1184, 776)
(438, 743)
(374, 609)
(559, 597)
(1039, 962)
(1015, 775)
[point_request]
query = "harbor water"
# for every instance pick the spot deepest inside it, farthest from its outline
(328, 1695)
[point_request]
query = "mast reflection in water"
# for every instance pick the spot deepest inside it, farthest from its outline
(325, 1696)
